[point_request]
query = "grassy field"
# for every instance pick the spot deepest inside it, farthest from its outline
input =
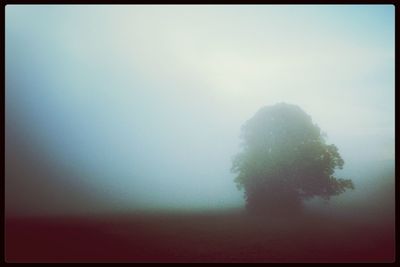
(198, 237)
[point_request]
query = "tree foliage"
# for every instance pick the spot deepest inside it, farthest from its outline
(285, 159)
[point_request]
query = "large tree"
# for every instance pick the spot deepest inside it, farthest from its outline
(285, 160)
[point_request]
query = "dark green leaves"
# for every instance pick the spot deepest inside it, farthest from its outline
(285, 156)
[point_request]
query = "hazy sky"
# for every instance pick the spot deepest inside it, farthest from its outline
(144, 104)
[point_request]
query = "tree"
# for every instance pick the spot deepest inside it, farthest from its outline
(285, 160)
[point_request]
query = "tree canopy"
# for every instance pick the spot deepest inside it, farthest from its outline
(285, 160)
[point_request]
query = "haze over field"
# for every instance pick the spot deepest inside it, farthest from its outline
(124, 108)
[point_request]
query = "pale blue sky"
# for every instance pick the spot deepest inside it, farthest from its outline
(149, 100)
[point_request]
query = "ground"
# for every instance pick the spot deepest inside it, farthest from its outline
(198, 237)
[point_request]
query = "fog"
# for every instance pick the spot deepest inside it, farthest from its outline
(125, 108)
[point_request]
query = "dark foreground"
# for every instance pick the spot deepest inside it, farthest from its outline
(206, 237)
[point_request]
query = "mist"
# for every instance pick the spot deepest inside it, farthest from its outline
(118, 109)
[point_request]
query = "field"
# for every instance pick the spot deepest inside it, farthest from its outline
(199, 237)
